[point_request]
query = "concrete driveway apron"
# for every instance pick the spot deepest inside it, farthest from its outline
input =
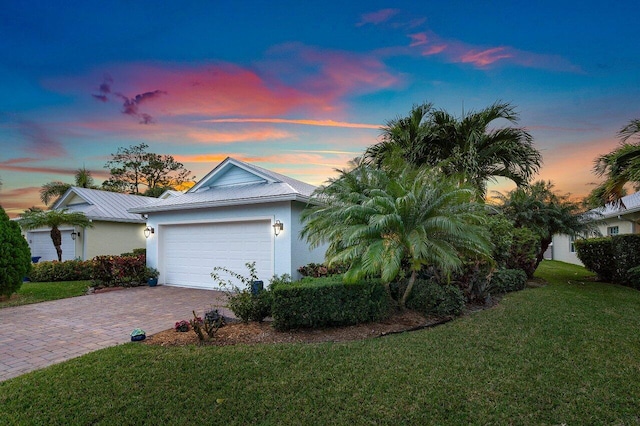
(38, 335)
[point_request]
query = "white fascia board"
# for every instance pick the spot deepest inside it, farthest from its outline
(222, 203)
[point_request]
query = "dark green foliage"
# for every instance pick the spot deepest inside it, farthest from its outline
(115, 271)
(501, 232)
(317, 270)
(626, 252)
(524, 251)
(69, 270)
(250, 307)
(328, 302)
(507, 280)
(15, 256)
(633, 276)
(597, 256)
(135, 252)
(473, 280)
(431, 298)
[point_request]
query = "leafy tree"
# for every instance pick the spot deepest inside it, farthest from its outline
(134, 167)
(55, 189)
(619, 167)
(15, 257)
(35, 218)
(545, 212)
(392, 226)
(465, 147)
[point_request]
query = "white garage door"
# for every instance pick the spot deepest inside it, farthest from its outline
(41, 245)
(188, 253)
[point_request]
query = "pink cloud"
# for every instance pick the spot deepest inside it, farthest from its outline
(39, 139)
(377, 17)
(485, 57)
(418, 39)
(215, 136)
(21, 165)
(321, 123)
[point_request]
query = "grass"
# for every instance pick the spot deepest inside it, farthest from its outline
(565, 353)
(42, 292)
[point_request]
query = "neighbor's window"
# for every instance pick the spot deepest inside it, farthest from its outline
(612, 230)
(572, 246)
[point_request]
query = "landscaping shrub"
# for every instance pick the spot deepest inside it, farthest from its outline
(114, 271)
(501, 232)
(135, 252)
(507, 280)
(69, 270)
(15, 256)
(431, 298)
(328, 302)
(317, 270)
(597, 256)
(626, 253)
(633, 276)
(524, 251)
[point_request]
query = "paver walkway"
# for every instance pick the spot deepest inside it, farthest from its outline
(42, 334)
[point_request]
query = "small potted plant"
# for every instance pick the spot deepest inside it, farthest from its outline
(151, 274)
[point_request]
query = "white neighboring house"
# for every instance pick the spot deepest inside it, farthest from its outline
(230, 217)
(613, 221)
(114, 230)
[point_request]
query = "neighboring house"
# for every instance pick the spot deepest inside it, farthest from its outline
(114, 230)
(227, 219)
(612, 220)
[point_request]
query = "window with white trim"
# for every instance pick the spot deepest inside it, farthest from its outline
(612, 230)
(572, 246)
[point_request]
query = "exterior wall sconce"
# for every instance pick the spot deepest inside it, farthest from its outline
(277, 227)
(74, 235)
(148, 231)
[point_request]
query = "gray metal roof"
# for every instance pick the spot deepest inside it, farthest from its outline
(630, 204)
(280, 188)
(104, 205)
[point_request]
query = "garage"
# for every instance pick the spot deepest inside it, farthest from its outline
(41, 245)
(189, 252)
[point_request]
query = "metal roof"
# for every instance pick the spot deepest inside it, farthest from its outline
(630, 204)
(277, 188)
(104, 205)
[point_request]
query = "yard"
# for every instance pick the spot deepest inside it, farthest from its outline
(565, 353)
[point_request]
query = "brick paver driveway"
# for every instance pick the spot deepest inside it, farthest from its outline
(38, 335)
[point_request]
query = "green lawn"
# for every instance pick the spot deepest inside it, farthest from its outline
(41, 292)
(565, 353)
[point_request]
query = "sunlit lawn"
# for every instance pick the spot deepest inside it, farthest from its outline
(565, 353)
(41, 292)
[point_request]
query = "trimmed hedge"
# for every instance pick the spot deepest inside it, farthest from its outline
(431, 298)
(114, 271)
(326, 302)
(15, 257)
(507, 280)
(626, 252)
(69, 270)
(597, 256)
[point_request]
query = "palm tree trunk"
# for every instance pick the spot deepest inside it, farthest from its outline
(407, 292)
(56, 237)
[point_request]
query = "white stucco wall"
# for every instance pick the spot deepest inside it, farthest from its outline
(289, 250)
(561, 250)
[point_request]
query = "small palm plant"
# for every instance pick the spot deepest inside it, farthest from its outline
(36, 218)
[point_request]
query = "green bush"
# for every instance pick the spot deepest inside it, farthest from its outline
(597, 256)
(317, 270)
(119, 271)
(247, 306)
(431, 298)
(325, 302)
(633, 275)
(15, 256)
(69, 270)
(524, 251)
(507, 280)
(501, 231)
(626, 254)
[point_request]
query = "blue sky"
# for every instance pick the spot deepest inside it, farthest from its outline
(301, 87)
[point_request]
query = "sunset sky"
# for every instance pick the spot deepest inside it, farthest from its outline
(301, 87)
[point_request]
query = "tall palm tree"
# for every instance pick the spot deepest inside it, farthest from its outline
(466, 147)
(51, 190)
(619, 167)
(35, 218)
(392, 226)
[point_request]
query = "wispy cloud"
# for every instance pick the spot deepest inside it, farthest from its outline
(215, 136)
(39, 139)
(321, 123)
(24, 165)
(130, 106)
(377, 17)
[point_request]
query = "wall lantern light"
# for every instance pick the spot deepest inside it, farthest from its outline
(75, 234)
(148, 231)
(277, 227)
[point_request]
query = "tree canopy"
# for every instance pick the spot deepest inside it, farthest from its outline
(15, 257)
(55, 189)
(36, 218)
(388, 225)
(134, 168)
(466, 147)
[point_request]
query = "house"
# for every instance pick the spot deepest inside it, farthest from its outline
(612, 220)
(114, 230)
(237, 213)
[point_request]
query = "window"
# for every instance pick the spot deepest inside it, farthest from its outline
(612, 230)
(572, 246)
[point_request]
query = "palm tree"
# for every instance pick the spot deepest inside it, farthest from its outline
(619, 167)
(51, 190)
(464, 147)
(393, 226)
(36, 218)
